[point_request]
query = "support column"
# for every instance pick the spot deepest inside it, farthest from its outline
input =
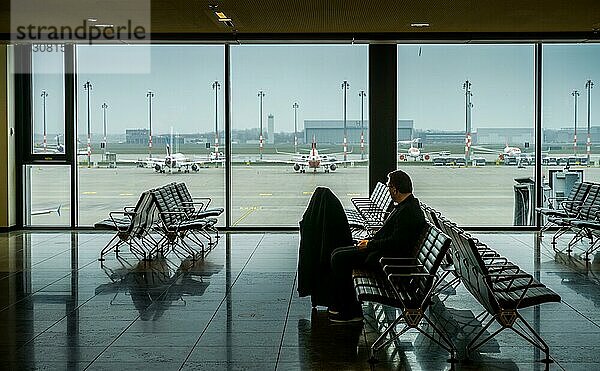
(7, 145)
(383, 116)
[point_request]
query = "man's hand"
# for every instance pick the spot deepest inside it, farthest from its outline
(362, 244)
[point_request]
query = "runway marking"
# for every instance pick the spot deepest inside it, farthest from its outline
(249, 211)
(307, 193)
(125, 194)
(352, 194)
(89, 193)
(265, 194)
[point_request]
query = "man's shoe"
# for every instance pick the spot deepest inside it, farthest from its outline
(348, 317)
(332, 311)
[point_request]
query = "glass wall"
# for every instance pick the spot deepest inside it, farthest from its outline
(47, 195)
(571, 134)
(147, 116)
(293, 108)
(48, 92)
(466, 129)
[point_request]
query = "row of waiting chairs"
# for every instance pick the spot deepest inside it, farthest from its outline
(369, 213)
(499, 285)
(165, 219)
(579, 214)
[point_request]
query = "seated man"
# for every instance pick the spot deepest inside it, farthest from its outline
(397, 238)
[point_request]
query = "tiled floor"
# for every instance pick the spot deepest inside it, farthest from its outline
(239, 309)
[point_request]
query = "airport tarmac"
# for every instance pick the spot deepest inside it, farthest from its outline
(271, 195)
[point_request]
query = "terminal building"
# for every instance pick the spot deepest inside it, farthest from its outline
(210, 261)
(332, 131)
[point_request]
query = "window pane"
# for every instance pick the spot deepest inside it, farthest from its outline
(571, 74)
(285, 89)
(172, 107)
(48, 99)
(495, 117)
(47, 195)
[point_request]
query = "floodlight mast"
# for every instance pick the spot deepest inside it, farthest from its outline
(216, 86)
(88, 87)
(575, 95)
(468, 106)
(345, 87)
(261, 95)
(589, 85)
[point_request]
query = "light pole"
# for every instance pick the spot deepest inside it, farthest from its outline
(468, 106)
(150, 95)
(88, 87)
(575, 94)
(295, 107)
(345, 87)
(103, 145)
(589, 85)
(362, 96)
(44, 95)
(261, 95)
(216, 86)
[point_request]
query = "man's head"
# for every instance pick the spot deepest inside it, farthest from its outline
(399, 185)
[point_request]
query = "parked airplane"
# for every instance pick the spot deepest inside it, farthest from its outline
(180, 162)
(314, 160)
(47, 211)
(414, 151)
(507, 151)
(50, 148)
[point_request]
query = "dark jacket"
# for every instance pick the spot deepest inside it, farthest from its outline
(400, 233)
(323, 228)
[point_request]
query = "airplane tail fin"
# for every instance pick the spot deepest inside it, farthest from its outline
(168, 150)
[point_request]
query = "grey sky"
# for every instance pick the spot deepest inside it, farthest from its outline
(430, 85)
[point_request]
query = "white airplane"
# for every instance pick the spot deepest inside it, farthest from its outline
(511, 151)
(179, 161)
(414, 151)
(50, 148)
(313, 160)
(47, 211)
(507, 151)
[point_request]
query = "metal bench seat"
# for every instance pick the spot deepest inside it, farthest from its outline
(502, 294)
(132, 227)
(408, 285)
(568, 207)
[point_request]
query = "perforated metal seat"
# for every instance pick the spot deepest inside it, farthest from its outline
(407, 284)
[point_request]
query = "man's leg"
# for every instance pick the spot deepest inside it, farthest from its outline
(343, 260)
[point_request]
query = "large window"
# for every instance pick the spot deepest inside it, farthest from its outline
(571, 134)
(47, 195)
(148, 115)
(48, 94)
(466, 129)
(293, 106)
(139, 129)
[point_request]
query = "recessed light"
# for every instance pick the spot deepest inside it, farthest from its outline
(419, 24)
(221, 15)
(105, 25)
(92, 19)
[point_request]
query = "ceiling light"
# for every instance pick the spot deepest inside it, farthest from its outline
(419, 24)
(221, 15)
(105, 25)
(92, 19)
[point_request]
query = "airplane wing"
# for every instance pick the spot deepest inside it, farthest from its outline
(485, 150)
(47, 211)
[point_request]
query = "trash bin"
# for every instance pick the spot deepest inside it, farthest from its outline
(524, 201)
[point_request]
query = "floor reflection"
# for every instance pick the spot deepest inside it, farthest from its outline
(580, 275)
(324, 344)
(154, 286)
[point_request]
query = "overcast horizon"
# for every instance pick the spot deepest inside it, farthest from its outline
(430, 79)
